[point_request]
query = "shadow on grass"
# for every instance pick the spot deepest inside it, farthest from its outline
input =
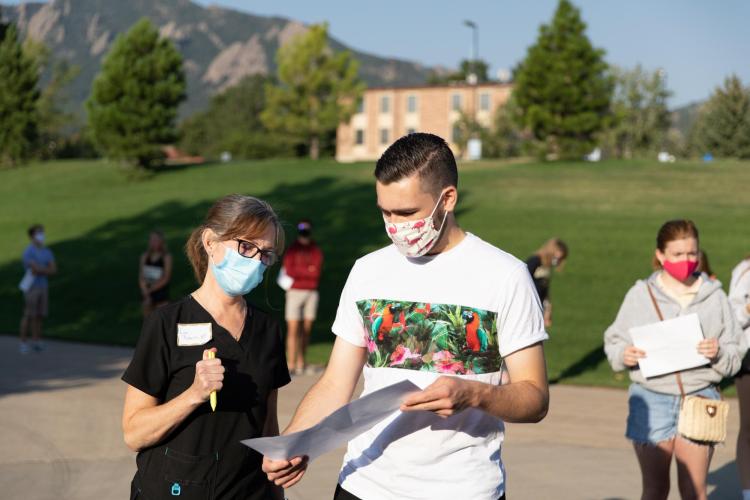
(94, 297)
(588, 361)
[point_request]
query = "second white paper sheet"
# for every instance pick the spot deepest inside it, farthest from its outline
(670, 345)
(338, 428)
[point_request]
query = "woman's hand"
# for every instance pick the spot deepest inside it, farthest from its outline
(209, 376)
(631, 355)
(285, 473)
(709, 348)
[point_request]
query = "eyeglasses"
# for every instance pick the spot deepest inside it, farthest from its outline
(251, 250)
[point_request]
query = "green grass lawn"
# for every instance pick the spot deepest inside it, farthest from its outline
(98, 222)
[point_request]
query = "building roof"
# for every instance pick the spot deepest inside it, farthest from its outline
(451, 85)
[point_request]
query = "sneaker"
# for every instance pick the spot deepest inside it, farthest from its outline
(38, 346)
(313, 369)
(23, 348)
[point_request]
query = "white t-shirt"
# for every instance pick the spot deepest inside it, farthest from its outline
(459, 313)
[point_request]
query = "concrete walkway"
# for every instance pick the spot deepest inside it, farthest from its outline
(60, 426)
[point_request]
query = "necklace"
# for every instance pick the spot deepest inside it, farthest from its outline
(242, 327)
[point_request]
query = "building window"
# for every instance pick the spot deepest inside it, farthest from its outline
(384, 136)
(359, 137)
(385, 104)
(411, 104)
(361, 105)
(456, 134)
(411, 131)
(484, 102)
(456, 102)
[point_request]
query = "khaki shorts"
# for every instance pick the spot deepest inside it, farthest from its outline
(36, 302)
(301, 304)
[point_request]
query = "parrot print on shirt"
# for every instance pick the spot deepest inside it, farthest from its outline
(430, 337)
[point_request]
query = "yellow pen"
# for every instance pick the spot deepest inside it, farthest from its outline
(212, 397)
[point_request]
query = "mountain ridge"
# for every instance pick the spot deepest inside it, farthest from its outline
(220, 46)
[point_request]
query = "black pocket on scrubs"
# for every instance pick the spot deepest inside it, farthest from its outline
(188, 477)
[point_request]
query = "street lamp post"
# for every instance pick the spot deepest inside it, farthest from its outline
(474, 144)
(473, 77)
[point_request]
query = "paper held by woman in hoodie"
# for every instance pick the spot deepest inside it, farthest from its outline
(670, 345)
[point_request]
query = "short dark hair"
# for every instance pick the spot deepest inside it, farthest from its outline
(33, 229)
(425, 154)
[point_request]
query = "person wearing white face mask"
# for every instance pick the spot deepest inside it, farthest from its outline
(206, 369)
(445, 310)
(39, 263)
(674, 289)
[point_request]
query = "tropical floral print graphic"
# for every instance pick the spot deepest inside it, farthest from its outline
(430, 337)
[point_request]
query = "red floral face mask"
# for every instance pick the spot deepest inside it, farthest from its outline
(680, 270)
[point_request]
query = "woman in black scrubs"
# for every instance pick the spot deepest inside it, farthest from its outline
(185, 449)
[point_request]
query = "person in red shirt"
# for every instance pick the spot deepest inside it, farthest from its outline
(302, 262)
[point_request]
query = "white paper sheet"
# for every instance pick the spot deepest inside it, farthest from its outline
(338, 428)
(26, 281)
(670, 345)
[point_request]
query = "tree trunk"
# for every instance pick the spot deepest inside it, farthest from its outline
(314, 148)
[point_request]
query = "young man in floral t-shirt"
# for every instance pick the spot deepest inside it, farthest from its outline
(446, 310)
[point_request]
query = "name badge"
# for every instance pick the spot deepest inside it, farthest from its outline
(193, 333)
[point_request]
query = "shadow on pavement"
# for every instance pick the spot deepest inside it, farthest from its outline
(726, 481)
(62, 365)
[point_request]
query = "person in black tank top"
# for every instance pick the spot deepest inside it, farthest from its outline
(551, 255)
(155, 273)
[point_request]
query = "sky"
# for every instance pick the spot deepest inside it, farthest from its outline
(697, 42)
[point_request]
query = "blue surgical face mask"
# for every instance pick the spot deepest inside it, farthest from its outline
(237, 275)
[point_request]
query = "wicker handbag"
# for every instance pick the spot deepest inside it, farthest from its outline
(701, 419)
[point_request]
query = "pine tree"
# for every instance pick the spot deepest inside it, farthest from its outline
(563, 87)
(19, 97)
(317, 89)
(723, 124)
(133, 104)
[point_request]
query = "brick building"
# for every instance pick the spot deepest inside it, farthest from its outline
(385, 114)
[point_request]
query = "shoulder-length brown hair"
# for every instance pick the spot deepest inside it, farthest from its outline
(233, 216)
(671, 231)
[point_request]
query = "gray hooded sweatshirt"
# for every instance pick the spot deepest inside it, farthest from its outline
(717, 321)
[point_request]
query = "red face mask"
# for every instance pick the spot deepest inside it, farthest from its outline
(680, 270)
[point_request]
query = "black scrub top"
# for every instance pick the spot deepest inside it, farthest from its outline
(203, 458)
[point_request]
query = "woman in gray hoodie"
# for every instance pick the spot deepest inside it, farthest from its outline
(654, 403)
(739, 297)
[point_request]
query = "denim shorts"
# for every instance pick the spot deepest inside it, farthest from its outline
(652, 416)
